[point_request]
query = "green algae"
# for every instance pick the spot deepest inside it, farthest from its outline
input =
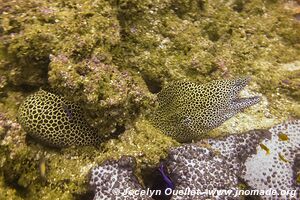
(146, 143)
(64, 181)
(109, 56)
(6, 192)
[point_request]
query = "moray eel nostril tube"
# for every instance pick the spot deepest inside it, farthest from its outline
(187, 110)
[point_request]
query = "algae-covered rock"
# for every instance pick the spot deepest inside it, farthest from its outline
(32, 30)
(32, 171)
(68, 45)
(144, 142)
(8, 193)
(109, 96)
(110, 56)
(174, 42)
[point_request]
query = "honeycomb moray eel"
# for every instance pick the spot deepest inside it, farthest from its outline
(187, 111)
(55, 121)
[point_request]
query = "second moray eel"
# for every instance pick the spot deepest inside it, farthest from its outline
(187, 111)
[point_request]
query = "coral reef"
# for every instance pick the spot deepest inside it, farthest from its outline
(113, 179)
(38, 47)
(262, 159)
(11, 135)
(110, 97)
(31, 31)
(144, 142)
(56, 121)
(187, 111)
(200, 169)
(111, 56)
(237, 148)
(103, 54)
(273, 166)
(258, 159)
(21, 159)
(215, 164)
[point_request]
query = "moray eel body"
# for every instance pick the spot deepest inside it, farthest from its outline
(55, 121)
(187, 111)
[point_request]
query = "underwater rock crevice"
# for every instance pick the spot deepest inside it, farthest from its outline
(120, 129)
(154, 86)
(21, 191)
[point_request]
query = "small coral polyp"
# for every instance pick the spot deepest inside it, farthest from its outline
(187, 111)
(276, 166)
(236, 163)
(113, 179)
(55, 121)
(228, 162)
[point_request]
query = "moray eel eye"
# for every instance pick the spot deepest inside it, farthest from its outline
(187, 111)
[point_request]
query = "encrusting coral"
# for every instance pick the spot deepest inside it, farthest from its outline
(101, 53)
(213, 164)
(113, 180)
(237, 148)
(273, 166)
(55, 121)
(198, 168)
(188, 111)
(261, 159)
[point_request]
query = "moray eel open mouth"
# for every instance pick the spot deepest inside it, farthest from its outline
(187, 111)
(238, 104)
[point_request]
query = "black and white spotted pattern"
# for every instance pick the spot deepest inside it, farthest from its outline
(263, 159)
(276, 168)
(187, 111)
(112, 178)
(258, 159)
(198, 168)
(55, 121)
(237, 148)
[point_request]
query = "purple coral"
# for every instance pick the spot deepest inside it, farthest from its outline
(113, 179)
(237, 148)
(264, 160)
(261, 159)
(274, 167)
(198, 168)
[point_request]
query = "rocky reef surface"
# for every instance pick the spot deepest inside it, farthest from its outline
(112, 57)
(234, 163)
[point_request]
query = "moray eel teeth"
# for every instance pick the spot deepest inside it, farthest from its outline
(187, 111)
(241, 103)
